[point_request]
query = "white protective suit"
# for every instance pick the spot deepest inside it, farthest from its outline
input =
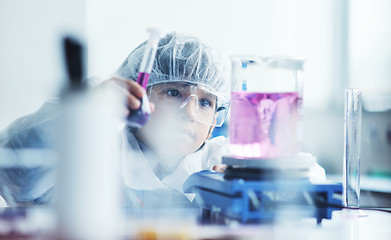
(147, 180)
(141, 169)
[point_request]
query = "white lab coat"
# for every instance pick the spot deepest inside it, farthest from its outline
(34, 186)
(147, 180)
(24, 143)
(142, 170)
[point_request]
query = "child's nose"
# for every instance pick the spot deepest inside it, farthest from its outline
(189, 111)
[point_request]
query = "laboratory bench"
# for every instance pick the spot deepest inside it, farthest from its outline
(40, 223)
(189, 223)
(375, 192)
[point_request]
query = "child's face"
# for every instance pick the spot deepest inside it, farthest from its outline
(181, 121)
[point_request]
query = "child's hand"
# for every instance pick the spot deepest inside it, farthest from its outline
(132, 90)
(219, 168)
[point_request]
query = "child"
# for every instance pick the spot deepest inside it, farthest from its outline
(189, 91)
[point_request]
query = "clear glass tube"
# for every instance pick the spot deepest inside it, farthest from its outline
(352, 143)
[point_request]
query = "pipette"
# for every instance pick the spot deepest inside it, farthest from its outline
(138, 118)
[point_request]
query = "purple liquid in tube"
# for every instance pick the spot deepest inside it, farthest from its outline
(264, 125)
(138, 118)
(142, 79)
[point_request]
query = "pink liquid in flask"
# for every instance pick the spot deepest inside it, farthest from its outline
(264, 125)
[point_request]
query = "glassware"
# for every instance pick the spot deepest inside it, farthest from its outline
(352, 147)
(140, 117)
(266, 113)
(176, 96)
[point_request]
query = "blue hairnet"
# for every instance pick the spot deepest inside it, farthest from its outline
(182, 57)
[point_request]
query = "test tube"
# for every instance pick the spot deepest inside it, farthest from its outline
(352, 146)
(140, 117)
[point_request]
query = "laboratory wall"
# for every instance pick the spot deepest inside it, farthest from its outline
(301, 28)
(370, 69)
(366, 30)
(313, 30)
(334, 36)
(30, 52)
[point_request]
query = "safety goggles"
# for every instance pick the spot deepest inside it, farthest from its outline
(209, 108)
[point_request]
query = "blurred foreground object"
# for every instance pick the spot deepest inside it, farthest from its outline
(88, 190)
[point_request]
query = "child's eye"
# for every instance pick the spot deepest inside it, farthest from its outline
(172, 93)
(205, 103)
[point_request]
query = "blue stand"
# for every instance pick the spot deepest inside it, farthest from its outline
(259, 200)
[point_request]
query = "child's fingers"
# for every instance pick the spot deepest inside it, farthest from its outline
(133, 91)
(219, 168)
(133, 87)
(136, 89)
(133, 102)
(152, 106)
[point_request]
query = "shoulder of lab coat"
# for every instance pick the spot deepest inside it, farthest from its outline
(33, 130)
(203, 159)
(136, 171)
(27, 187)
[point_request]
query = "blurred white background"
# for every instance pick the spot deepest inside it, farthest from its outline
(346, 44)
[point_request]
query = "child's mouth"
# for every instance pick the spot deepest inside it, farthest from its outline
(186, 131)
